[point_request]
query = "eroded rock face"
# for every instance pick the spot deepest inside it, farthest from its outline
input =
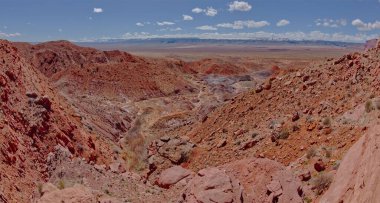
(357, 179)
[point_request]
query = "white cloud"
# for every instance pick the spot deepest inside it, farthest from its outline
(140, 24)
(2, 34)
(240, 6)
(282, 23)
(210, 11)
(176, 29)
(331, 23)
(98, 10)
(197, 10)
(206, 27)
(237, 25)
(164, 23)
(187, 17)
(362, 26)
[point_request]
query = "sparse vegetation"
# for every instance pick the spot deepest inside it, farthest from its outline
(255, 134)
(336, 165)
(61, 184)
(133, 152)
(307, 199)
(321, 183)
(311, 153)
(369, 106)
(39, 188)
(284, 134)
(326, 121)
(328, 152)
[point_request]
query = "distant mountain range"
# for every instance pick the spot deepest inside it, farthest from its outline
(168, 41)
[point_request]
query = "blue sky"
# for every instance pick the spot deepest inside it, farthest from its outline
(90, 20)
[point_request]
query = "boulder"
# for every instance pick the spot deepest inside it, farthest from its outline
(259, 89)
(172, 176)
(305, 175)
(295, 116)
(319, 165)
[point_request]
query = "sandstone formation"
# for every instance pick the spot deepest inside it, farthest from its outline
(357, 179)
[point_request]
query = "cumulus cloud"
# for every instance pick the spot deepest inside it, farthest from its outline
(362, 26)
(140, 24)
(165, 23)
(170, 29)
(237, 25)
(187, 17)
(331, 23)
(206, 27)
(197, 10)
(3, 34)
(282, 23)
(209, 11)
(239, 6)
(98, 10)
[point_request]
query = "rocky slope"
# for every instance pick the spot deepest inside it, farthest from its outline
(34, 119)
(305, 118)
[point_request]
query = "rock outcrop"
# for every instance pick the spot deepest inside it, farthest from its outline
(248, 180)
(213, 185)
(358, 176)
(33, 120)
(75, 194)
